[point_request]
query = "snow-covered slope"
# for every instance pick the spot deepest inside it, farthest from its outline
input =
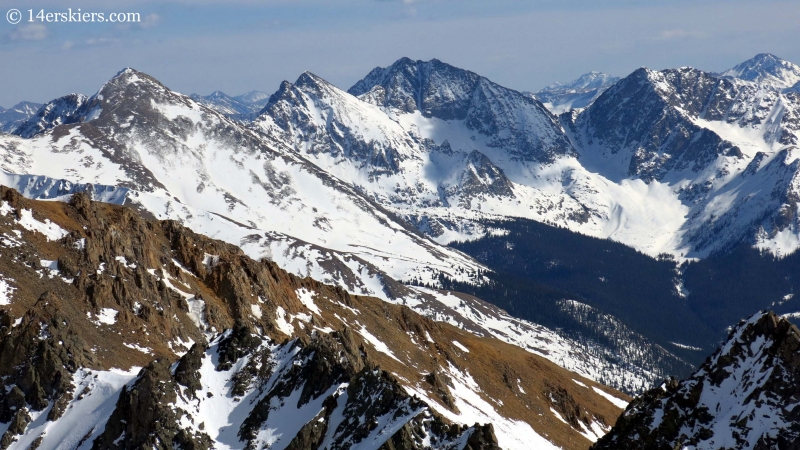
(743, 397)
(766, 69)
(331, 185)
(13, 117)
(137, 143)
(254, 98)
(706, 139)
(137, 134)
(505, 118)
(578, 93)
(474, 151)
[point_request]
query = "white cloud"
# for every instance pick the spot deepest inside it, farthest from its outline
(150, 20)
(29, 32)
(678, 34)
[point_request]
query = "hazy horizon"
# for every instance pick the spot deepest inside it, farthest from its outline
(240, 46)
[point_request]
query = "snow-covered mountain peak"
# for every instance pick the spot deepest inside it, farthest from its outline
(219, 95)
(129, 76)
(590, 80)
(634, 117)
(503, 118)
(334, 125)
(24, 108)
(127, 79)
(434, 88)
(311, 83)
(244, 107)
(766, 69)
(253, 97)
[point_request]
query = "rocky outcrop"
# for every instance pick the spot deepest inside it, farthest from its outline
(744, 396)
(145, 416)
(56, 112)
(233, 351)
(654, 133)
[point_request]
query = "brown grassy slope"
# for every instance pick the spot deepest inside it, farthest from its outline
(163, 263)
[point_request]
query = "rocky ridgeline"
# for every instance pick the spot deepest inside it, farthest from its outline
(238, 353)
(745, 396)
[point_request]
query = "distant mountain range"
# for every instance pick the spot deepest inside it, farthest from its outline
(13, 117)
(578, 93)
(365, 188)
(241, 107)
(128, 144)
(614, 227)
(766, 69)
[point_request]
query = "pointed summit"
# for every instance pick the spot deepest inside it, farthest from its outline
(233, 107)
(128, 90)
(308, 80)
(766, 69)
(434, 88)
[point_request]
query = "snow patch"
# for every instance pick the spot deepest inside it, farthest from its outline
(459, 345)
(145, 350)
(619, 403)
(6, 291)
(377, 344)
(306, 297)
(107, 316)
(49, 229)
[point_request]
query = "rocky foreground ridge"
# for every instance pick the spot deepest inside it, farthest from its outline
(122, 332)
(745, 396)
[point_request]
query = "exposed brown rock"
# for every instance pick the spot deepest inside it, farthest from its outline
(143, 269)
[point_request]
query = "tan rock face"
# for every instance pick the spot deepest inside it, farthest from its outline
(121, 291)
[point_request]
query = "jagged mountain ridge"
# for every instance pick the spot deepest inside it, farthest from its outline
(520, 125)
(710, 140)
(240, 354)
(691, 151)
(130, 143)
(423, 160)
(583, 201)
(56, 112)
(562, 192)
(115, 126)
(743, 397)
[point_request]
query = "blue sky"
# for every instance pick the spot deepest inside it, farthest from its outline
(241, 45)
